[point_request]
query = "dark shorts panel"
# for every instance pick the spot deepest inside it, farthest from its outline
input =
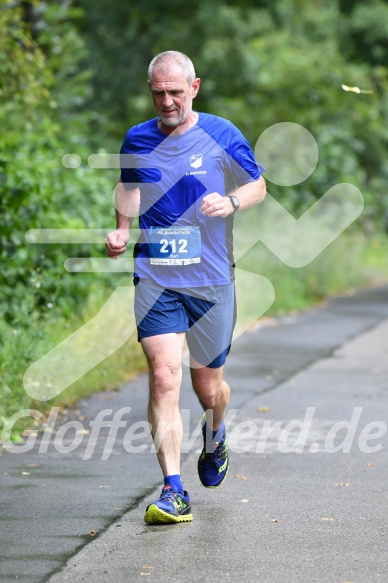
(206, 314)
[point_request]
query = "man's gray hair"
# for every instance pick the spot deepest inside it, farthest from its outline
(176, 58)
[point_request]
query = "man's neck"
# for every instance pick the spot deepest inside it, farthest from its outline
(188, 123)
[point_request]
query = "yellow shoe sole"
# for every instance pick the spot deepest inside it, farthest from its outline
(154, 515)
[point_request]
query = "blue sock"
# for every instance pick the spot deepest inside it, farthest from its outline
(220, 431)
(174, 480)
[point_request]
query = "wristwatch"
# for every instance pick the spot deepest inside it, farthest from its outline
(235, 202)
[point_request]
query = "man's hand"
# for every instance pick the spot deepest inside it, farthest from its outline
(215, 205)
(249, 195)
(116, 243)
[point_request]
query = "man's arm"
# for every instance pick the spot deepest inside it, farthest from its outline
(127, 204)
(249, 195)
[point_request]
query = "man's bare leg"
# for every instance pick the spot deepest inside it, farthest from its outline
(164, 356)
(212, 391)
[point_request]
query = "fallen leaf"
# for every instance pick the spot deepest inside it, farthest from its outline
(342, 484)
(148, 567)
(275, 520)
(326, 518)
(26, 474)
(262, 409)
(92, 533)
(244, 500)
(240, 477)
(371, 465)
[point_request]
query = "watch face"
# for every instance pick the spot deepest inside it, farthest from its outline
(235, 202)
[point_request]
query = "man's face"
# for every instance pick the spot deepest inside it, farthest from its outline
(172, 95)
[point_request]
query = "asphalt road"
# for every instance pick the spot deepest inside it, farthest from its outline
(314, 514)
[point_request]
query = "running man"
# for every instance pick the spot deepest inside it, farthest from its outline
(185, 173)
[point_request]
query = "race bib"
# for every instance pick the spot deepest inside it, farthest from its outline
(174, 245)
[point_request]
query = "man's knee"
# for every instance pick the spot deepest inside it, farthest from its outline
(210, 398)
(210, 392)
(164, 380)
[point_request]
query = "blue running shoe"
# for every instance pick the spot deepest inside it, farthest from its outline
(213, 463)
(171, 507)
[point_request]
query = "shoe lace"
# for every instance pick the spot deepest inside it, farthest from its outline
(168, 493)
(217, 457)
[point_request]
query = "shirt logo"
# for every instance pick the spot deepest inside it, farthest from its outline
(196, 160)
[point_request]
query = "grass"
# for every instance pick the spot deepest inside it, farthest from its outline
(26, 347)
(350, 262)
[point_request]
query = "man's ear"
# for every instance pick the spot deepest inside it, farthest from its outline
(195, 86)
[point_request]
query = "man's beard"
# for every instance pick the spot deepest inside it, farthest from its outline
(172, 122)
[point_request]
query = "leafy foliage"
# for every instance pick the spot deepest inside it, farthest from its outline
(261, 63)
(43, 87)
(41, 90)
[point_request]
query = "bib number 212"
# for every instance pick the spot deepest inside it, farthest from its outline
(171, 246)
(175, 245)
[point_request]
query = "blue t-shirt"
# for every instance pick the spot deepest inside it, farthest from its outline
(179, 246)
